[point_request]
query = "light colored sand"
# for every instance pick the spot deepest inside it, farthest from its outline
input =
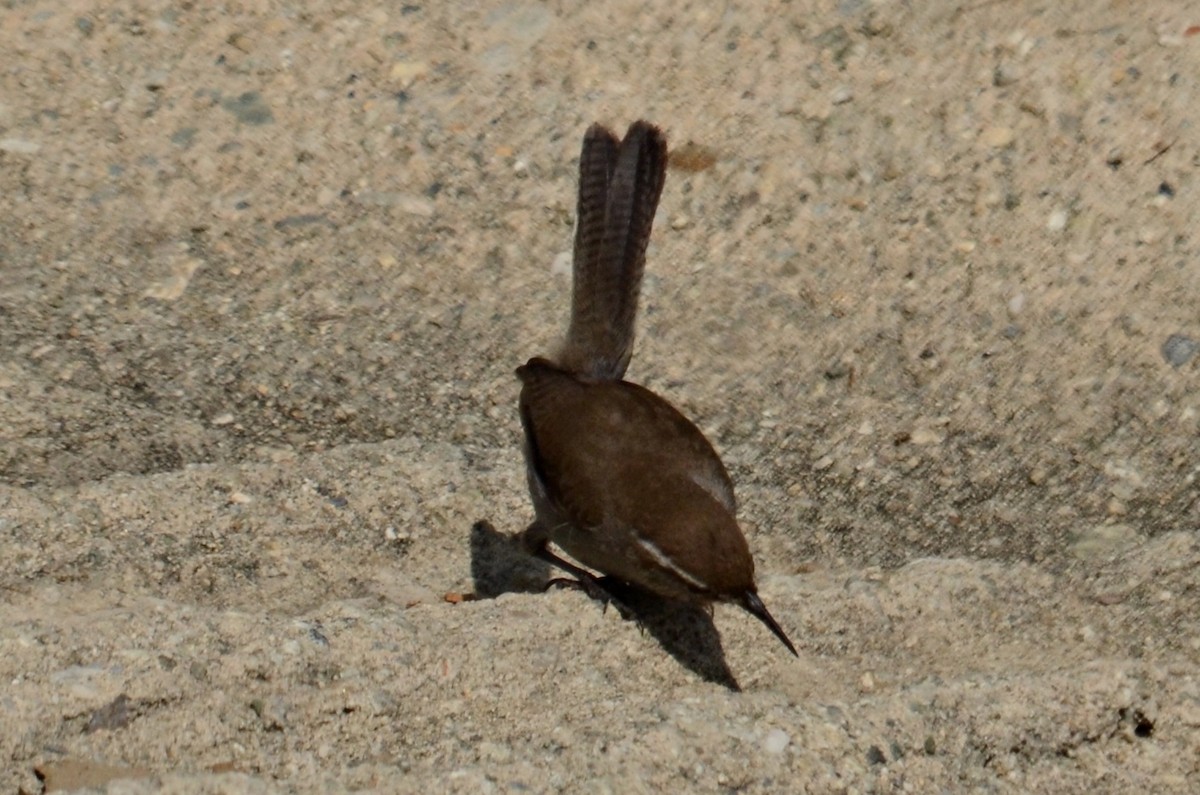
(266, 273)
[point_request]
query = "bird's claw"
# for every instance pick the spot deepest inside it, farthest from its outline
(594, 589)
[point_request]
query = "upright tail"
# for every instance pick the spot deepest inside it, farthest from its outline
(619, 186)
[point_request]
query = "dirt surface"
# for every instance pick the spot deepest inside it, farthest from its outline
(926, 273)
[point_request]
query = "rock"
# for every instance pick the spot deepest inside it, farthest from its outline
(925, 436)
(998, 137)
(1103, 541)
(19, 146)
(1057, 221)
(1178, 349)
(776, 741)
(249, 108)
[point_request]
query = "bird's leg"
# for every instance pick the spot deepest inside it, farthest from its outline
(535, 541)
(584, 581)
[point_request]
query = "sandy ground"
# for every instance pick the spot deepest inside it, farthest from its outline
(926, 273)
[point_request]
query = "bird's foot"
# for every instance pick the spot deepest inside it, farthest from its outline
(596, 590)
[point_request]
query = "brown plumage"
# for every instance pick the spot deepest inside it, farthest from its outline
(620, 480)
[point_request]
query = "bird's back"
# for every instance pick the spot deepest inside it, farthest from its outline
(618, 461)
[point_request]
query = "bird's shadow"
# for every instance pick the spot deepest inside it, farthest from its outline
(686, 632)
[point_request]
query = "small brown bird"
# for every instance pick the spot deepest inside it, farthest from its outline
(620, 480)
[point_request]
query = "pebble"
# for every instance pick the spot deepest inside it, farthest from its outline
(494, 752)
(113, 715)
(184, 136)
(1170, 38)
(405, 73)
(776, 741)
(561, 266)
(998, 137)
(404, 202)
(249, 108)
(1149, 235)
(1103, 541)
(156, 79)
(1178, 349)
(1005, 75)
(1057, 221)
(174, 286)
(19, 146)
(925, 436)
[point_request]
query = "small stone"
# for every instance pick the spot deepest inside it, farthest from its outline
(299, 220)
(561, 266)
(681, 222)
(822, 463)
(925, 436)
(405, 73)
(1170, 39)
(156, 80)
(1178, 349)
(998, 137)
(73, 774)
(494, 752)
(408, 203)
(776, 741)
(1103, 541)
(174, 286)
(249, 108)
(184, 136)
(841, 96)
(1149, 235)
(19, 146)
(222, 419)
(837, 369)
(1016, 304)
(1005, 74)
(1057, 221)
(113, 715)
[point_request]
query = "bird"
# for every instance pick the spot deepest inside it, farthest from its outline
(621, 480)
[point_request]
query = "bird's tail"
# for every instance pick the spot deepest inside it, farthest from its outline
(620, 183)
(755, 607)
